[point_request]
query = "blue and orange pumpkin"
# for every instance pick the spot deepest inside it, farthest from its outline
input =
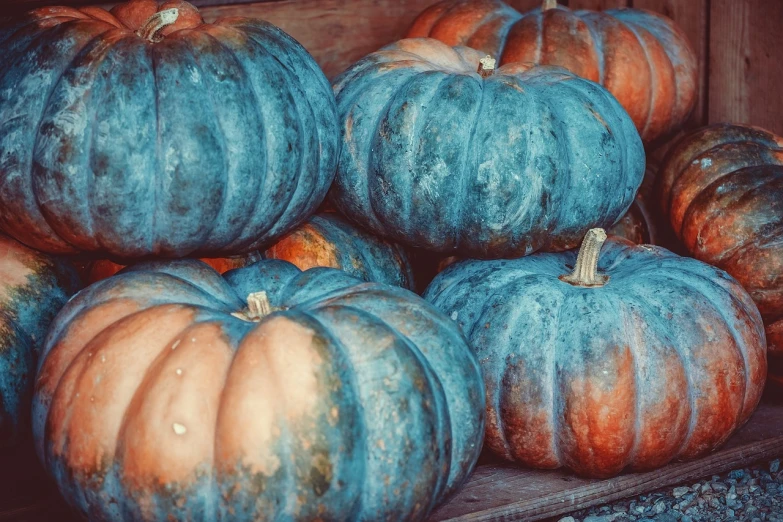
(442, 153)
(171, 392)
(143, 131)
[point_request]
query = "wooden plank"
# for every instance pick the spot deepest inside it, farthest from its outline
(525, 5)
(691, 17)
(745, 74)
(12, 7)
(502, 492)
(597, 5)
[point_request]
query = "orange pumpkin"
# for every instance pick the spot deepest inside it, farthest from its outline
(643, 58)
(103, 268)
(722, 189)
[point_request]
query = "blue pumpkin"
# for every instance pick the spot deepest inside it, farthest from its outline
(171, 392)
(145, 132)
(627, 360)
(438, 156)
(33, 288)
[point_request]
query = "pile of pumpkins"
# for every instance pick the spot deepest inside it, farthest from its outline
(293, 374)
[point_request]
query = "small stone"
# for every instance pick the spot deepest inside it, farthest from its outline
(706, 488)
(680, 491)
(774, 466)
(719, 487)
(567, 519)
(729, 512)
(639, 509)
(737, 474)
(686, 518)
(659, 507)
(620, 509)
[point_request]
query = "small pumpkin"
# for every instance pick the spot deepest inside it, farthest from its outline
(143, 131)
(170, 392)
(722, 190)
(643, 58)
(442, 152)
(33, 288)
(602, 361)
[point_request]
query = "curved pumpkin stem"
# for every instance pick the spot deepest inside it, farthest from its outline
(156, 23)
(586, 270)
(258, 307)
(549, 4)
(486, 66)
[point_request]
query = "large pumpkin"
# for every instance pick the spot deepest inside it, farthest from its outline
(328, 240)
(33, 288)
(629, 360)
(722, 189)
(439, 156)
(642, 57)
(144, 131)
(165, 395)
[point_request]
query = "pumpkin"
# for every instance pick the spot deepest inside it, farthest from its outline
(329, 240)
(486, 164)
(722, 190)
(643, 58)
(602, 361)
(170, 392)
(143, 131)
(640, 224)
(33, 288)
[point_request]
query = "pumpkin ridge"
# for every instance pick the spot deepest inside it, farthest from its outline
(738, 340)
(302, 149)
(402, 347)
(50, 235)
(305, 115)
(207, 79)
(242, 231)
(654, 79)
(95, 54)
(707, 196)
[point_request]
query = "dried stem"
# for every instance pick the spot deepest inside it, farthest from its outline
(156, 23)
(586, 270)
(486, 66)
(258, 307)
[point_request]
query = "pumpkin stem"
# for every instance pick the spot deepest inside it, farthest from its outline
(586, 270)
(156, 23)
(486, 66)
(258, 307)
(549, 4)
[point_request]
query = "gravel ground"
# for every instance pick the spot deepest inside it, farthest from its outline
(752, 494)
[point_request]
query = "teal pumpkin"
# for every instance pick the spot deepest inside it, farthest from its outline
(628, 357)
(439, 156)
(171, 392)
(33, 288)
(129, 134)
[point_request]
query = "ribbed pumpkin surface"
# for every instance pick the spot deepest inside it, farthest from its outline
(435, 156)
(350, 401)
(643, 58)
(722, 190)
(664, 361)
(33, 288)
(214, 140)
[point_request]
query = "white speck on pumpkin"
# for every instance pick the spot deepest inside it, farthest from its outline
(174, 346)
(193, 339)
(454, 315)
(179, 429)
(92, 399)
(103, 358)
(179, 371)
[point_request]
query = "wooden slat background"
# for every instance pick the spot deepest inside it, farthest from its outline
(739, 42)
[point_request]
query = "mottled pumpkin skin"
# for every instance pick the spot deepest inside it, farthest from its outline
(665, 361)
(722, 190)
(328, 240)
(435, 156)
(643, 58)
(214, 141)
(351, 401)
(33, 288)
